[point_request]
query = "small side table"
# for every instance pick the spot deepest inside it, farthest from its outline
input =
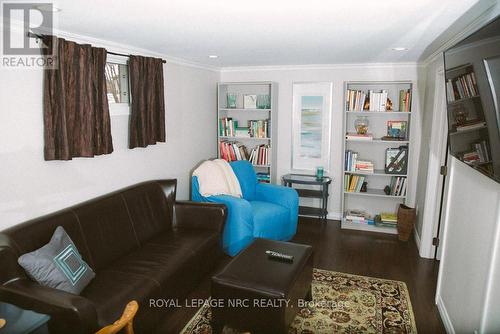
(23, 321)
(290, 179)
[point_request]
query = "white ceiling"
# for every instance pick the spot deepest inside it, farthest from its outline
(267, 32)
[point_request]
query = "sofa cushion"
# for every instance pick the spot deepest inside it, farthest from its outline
(107, 228)
(110, 291)
(173, 260)
(36, 233)
(149, 210)
(270, 220)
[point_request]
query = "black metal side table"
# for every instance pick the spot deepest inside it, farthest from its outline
(290, 179)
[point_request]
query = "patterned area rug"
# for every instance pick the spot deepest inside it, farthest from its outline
(342, 303)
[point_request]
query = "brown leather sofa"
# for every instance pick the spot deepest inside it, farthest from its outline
(141, 243)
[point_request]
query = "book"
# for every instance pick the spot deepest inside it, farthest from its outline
(356, 136)
(388, 216)
(398, 186)
(461, 87)
(405, 97)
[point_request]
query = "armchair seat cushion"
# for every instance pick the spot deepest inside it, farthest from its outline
(270, 220)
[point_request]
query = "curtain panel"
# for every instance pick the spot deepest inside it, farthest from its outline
(76, 112)
(147, 110)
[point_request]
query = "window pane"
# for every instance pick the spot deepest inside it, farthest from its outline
(117, 83)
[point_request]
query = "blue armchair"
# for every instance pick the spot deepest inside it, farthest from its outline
(265, 211)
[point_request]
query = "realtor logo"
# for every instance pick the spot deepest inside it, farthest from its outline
(20, 20)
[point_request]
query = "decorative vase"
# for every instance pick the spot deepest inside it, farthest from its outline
(406, 221)
(319, 173)
(361, 125)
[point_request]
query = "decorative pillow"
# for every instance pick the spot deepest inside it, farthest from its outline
(58, 264)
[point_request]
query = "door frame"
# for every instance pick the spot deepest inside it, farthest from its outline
(437, 157)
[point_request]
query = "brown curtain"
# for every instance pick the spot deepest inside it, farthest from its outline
(147, 111)
(76, 114)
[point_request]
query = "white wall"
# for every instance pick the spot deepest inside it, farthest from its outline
(285, 76)
(468, 284)
(31, 187)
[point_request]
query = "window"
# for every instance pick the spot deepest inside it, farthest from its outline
(117, 83)
(311, 125)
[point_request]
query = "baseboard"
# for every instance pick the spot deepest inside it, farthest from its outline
(334, 216)
(448, 326)
(417, 238)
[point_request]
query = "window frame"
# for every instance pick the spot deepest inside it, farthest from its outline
(119, 109)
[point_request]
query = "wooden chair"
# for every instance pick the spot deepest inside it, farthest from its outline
(126, 321)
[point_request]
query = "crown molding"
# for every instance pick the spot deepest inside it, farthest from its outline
(18, 26)
(475, 25)
(318, 67)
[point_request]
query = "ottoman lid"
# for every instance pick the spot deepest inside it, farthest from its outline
(253, 269)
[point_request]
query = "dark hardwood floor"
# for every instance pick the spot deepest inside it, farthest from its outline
(354, 252)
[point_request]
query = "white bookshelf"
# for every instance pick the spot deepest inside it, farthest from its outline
(374, 200)
(243, 115)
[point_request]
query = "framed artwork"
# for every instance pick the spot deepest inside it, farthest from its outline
(396, 160)
(250, 101)
(312, 104)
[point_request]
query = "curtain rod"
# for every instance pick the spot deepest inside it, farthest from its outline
(33, 35)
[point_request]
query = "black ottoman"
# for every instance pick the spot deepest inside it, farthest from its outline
(258, 294)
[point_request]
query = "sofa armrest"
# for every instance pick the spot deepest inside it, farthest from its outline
(196, 215)
(67, 310)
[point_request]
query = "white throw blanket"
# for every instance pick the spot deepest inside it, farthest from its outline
(216, 177)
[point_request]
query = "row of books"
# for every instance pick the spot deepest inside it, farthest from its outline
(398, 186)
(353, 183)
(263, 177)
(255, 129)
(260, 155)
(386, 219)
(479, 153)
(259, 128)
(462, 87)
(358, 217)
(405, 100)
(353, 164)
(232, 151)
(358, 100)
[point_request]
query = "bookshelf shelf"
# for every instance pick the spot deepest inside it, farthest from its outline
(369, 228)
(373, 152)
(242, 138)
(256, 121)
(465, 99)
(376, 172)
(468, 130)
(386, 113)
(374, 193)
(378, 141)
(243, 109)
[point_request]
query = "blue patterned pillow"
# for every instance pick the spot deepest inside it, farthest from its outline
(58, 264)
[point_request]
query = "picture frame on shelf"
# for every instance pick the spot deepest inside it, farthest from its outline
(397, 129)
(396, 160)
(250, 101)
